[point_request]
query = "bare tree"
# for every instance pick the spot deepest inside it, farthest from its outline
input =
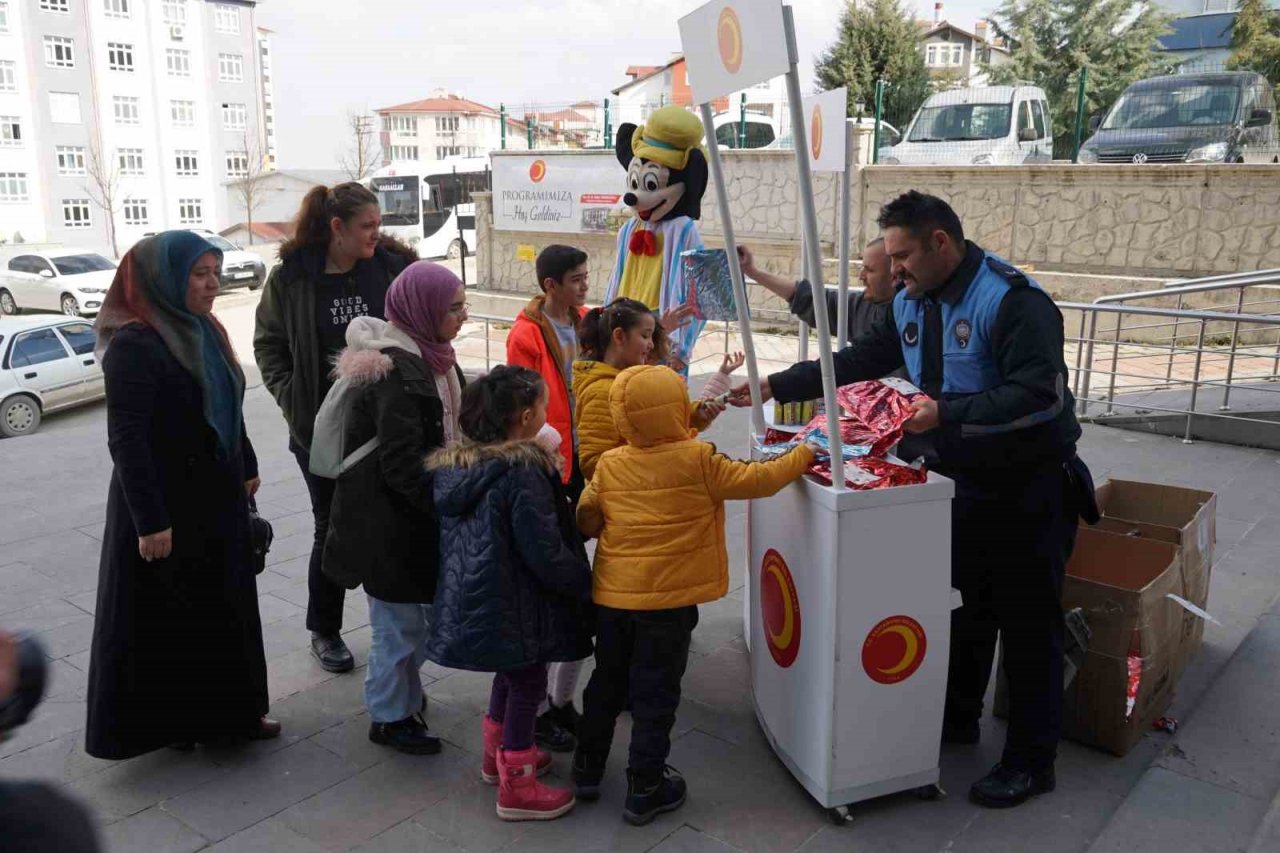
(361, 155)
(103, 187)
(252, 181)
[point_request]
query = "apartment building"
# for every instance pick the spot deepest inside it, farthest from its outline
(443, 125)
(144, 106)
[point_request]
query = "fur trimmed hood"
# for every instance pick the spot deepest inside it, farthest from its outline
(363, 361)
(469, 454)
(464, 472)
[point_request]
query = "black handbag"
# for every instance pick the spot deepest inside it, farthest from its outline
(260, 537)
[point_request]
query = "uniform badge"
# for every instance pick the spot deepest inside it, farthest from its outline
(911, 335)
(963, 332)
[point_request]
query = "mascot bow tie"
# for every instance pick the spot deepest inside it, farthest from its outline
(643, 242)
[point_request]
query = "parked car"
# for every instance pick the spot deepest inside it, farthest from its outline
(239, 268)
(46, 364)
(979, 126)
(761, 129)
(889, 135)
(1224, 117)
(71, 281)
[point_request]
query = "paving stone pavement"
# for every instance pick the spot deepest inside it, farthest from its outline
(324, 787)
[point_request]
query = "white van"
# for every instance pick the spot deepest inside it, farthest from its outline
(761, 129)
(982, 126)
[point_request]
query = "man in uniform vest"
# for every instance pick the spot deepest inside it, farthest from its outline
(984, 343)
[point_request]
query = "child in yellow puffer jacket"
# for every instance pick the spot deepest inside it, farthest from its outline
(657, 505)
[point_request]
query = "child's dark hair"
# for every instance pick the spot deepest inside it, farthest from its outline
(556, 261)
(598, 325)
(492, 403)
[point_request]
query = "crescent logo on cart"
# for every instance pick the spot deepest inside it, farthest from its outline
(894, 650)
(729, 36)
(538, 171)
(780, 607)
(815, 132)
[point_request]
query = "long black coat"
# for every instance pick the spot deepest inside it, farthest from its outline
(177, 643)
(382, 527)
(515, 585)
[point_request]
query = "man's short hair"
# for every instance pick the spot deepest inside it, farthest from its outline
(557, 261)
(921, 214)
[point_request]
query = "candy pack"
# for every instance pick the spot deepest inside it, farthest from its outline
(710, 287)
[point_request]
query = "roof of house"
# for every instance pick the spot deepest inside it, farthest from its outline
(269, 232)
(586, 105)
(564, 115)
(641, 70)
(946, 25)
(1199, 32)
(653, 70)
(448, 104)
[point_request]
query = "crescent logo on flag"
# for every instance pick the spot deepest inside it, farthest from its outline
(815, 132)
(729, 36)
(894, 650)
(538, 171)
(780, 607)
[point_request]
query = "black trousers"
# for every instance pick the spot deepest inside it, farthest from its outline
(1008, 557)
(324, 597)
(38, 818)
(577, 483)
(641, 653)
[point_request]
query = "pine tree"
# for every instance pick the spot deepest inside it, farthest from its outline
(877, 39)
(1255, 40)
(1053, 39)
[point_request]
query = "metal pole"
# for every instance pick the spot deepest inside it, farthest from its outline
(875, 143)
(846, 227)
(462, 239)
(1115, 355)
(1075, 385)
(1173, 346)
(742, 123)
(802, 347)
(1231, 359)
(1088, 363)
(735, 270)
(608, 130)
(809, 216)
(528, 131)
(502, 117)
(1195, 384)
(1080, 90)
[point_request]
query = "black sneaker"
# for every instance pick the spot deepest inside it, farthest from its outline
(651, 793)
(332, 652)
(586, 773)
(565, 716)
(548, 734)
(410, 736)
(1004, 787)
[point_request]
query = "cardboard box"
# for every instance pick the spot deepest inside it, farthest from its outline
(1186, 517)
(1122, 583)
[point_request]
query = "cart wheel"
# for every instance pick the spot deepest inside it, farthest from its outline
(840, 815)
(930, 792)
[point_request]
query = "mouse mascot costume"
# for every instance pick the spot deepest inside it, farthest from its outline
(666, 178)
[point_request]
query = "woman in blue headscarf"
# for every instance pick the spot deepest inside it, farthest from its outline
(177, 653)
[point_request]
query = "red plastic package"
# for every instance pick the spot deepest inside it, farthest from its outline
(870, 473)
(879, 408)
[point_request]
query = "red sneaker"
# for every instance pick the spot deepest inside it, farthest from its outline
(521, 796)
(492, 743)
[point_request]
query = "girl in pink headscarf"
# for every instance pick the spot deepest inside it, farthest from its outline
(383, 532)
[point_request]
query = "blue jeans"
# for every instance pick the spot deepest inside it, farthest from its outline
(392, 682)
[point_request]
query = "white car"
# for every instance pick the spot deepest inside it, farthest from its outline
(46, 364)
(239, 268)
(71, 281)
(979, 126)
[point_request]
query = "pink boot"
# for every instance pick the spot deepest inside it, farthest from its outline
(521, 796)
(492, 742)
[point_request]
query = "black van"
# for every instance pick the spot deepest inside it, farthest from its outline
(1223, 117)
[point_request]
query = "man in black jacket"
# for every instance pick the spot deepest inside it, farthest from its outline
(984, 343)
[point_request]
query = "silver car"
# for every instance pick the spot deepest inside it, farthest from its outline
(46, 364)
(71, 281)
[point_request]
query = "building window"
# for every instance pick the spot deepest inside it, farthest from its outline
(8, 78)
(178, 62)
(10, 131)
(944, 55)
(76, 213)
(235, 117)
(64, 107)
(126, 109)
(13, 186)
(237, 164)
(190, 211)
(116, 8)
(446, 124)
(135, 212)
(4, 17)
(182, 113)
(227, 19)
(404, 152)
(119, 56)
(443, 151)
(61, 6)
(59, 52)
(400, 124)
(70, 160)
(131, 164)
(187, 163)
(175, 11)
(230, 67)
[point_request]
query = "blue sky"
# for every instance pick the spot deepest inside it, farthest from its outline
(332, 56)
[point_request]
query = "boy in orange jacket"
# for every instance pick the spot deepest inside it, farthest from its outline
(657, 506)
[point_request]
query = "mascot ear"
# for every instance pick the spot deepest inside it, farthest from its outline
(622, 144)
(695, 180)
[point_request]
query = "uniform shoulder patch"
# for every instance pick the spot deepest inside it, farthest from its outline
(1008, 272)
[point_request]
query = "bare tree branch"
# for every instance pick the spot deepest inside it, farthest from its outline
(361, 156)
(103, 187)
(251, 183)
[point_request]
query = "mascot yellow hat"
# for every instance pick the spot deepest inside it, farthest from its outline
(668, 137)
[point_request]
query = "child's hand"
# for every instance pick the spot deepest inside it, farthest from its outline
(732, 361)
(677, 318)
(711, 409)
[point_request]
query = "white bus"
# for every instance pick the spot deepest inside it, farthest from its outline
(429, 206)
